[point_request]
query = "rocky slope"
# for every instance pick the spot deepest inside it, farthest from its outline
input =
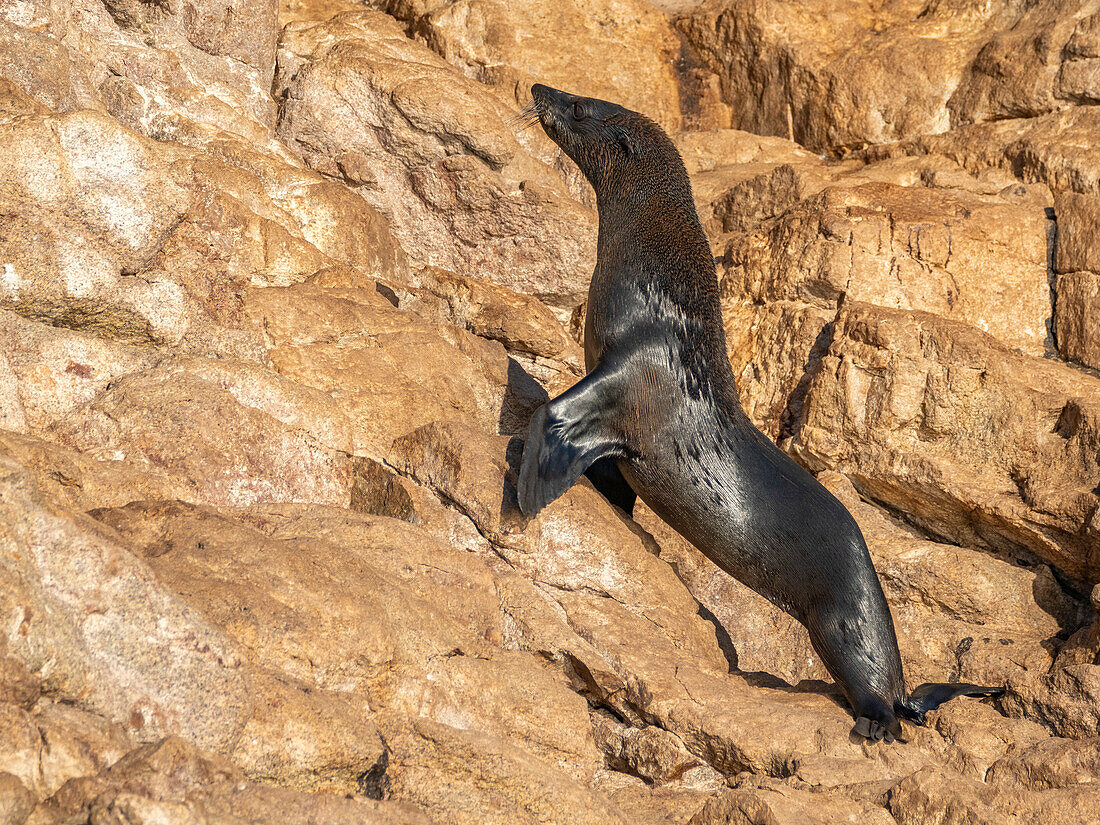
(281, 284)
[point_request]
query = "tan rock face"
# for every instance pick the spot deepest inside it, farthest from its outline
(174, 782)
(906, 247)
(242, 31)
(801, 238)
(1078, 287)
(829, 76)
(774, 802)
(432, 150)
(1029, 69)
(966, 412)
(513, 46)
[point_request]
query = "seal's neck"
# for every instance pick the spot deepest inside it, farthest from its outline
(649, 218)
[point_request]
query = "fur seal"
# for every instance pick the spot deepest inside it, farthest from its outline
(658, 415)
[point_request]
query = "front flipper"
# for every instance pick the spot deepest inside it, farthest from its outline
(568, 435)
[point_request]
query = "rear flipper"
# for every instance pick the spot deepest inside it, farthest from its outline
(931, 695)
(877, 720)
(570, 434)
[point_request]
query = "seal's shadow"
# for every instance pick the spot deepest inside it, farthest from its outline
(522, 396)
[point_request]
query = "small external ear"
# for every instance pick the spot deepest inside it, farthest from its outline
(626, 141)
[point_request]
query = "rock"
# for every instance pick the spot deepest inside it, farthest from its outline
(92, 223)
(18, 686)
(776, 803)
(1019, 72)
(179, 72)
(448, 173)
(227, 30)
(1078, 286)
(638, 50)
(661, 805)
(830, 78)
(76, 743)
(136, 256)
(54, 744)
(411, 372)
(464, 776)
(801, 237)
(205, 555)
(976, 736)
(1078, 233)
(526, 326)
(403, 638)
(1077, 78)
(934, 795)
(973, 467)
(880, 244)
(81, 666)
(16, 802)
(121, 645)
(69, 480)
(1076, 312)
(658, 755)
(650, 752)
(43, 68)
(171, 781)
(535, 622)
(975, 260)
(1065, 701)
(471, 471)
(21, 749)
(1051, 148)
(219, 433)
(1054, 763)
(53, 371)
(15, 104)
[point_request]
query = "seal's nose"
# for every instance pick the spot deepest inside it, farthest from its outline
(544, 94)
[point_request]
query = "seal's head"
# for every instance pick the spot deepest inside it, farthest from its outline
(612, 146)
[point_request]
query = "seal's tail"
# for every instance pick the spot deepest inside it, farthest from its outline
(931, 695)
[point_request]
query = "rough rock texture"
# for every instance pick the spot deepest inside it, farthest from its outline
(432, 150)
(280, 287)
(1078, 287)
(831, 76)
(641, 60)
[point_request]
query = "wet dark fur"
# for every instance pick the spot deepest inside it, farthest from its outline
(659, 415)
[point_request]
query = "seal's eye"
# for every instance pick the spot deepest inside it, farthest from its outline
(580, 112)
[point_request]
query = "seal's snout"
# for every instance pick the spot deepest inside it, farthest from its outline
(552, 105)
(545, 107)
(544, 95)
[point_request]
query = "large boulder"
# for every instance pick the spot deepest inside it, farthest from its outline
(94, 622)
(434, 152)
(829, 76)
(1078, 287)
(940, 421)
(642, 62)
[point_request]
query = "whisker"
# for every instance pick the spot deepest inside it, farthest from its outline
(527, 116)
